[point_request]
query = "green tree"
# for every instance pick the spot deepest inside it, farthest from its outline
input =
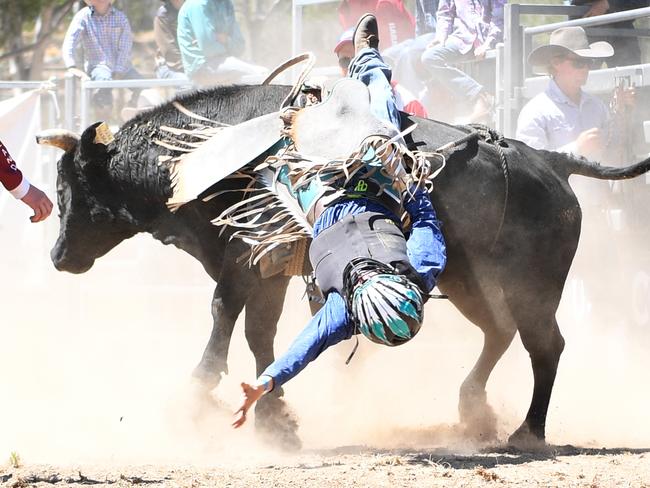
(25, 28)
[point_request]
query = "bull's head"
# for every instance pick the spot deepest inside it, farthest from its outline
(92, 219)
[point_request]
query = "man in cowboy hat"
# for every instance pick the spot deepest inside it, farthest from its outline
(106, 38)
(564, 118)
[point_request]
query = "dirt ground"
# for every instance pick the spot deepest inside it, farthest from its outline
(564, 466)
(93, 380)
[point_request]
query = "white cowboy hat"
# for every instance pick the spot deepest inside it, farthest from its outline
(568, 40)
(88, 2)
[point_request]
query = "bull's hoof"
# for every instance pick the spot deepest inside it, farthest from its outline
(477, 417)
(276, 424)
(208, 375)
(525, 440)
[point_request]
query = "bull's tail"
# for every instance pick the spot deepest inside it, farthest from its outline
(580, 166)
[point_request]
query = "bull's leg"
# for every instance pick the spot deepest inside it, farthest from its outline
(475, 413)
(273, 418)
(542, 339)
(481, 300)
(233, 287)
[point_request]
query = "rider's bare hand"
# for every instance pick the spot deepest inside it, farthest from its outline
(252, 393)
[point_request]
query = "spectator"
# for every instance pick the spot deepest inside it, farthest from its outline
(169, 64)
(106, 38)
(14, 181)
(395, 22)
(404, 99)
(425, 16)
(564, 118)
(210, 42)
(466, 29)
(626, 49)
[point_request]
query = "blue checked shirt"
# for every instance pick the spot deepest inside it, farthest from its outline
(106, 39)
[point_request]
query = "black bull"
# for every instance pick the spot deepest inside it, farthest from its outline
(505, 273)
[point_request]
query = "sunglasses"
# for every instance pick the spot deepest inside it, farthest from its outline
(344, 62)
(582, 63)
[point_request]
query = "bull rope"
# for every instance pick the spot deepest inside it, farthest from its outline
(297, 86)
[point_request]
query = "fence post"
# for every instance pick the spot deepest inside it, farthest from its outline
(85, 106)
(70, 99)
(499, 88)
(512, 64)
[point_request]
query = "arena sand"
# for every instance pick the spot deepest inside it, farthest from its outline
(96, 372)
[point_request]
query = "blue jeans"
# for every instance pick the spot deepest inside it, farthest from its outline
(104, 96)
(369, 68)
(436, 60)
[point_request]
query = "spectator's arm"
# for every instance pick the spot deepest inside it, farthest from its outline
(71, 39)
(204, 27)
(495, 34)
(165, 38)
(123, 61)
(445, 20)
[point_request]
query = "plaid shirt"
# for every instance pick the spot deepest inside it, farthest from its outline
(106, 39)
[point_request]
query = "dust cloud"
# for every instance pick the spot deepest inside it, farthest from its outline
(97, 367)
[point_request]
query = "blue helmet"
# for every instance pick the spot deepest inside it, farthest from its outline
(386, 306)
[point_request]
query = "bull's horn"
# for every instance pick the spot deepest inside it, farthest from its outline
(61, 138)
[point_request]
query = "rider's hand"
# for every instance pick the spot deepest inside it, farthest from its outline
(590, 143)
(39, 203)
(252, 393)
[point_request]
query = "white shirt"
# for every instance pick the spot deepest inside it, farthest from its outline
(552, 121)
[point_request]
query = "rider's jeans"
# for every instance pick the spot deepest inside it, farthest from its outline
(369, 68)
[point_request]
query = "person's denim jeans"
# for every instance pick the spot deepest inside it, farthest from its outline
(369, 68)
(104, 96)
(436, 60)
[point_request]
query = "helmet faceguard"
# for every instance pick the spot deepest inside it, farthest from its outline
(386, 306)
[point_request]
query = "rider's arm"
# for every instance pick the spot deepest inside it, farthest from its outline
(329, 326)
(425, 246)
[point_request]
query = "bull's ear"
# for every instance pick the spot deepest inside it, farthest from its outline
(95, 141)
